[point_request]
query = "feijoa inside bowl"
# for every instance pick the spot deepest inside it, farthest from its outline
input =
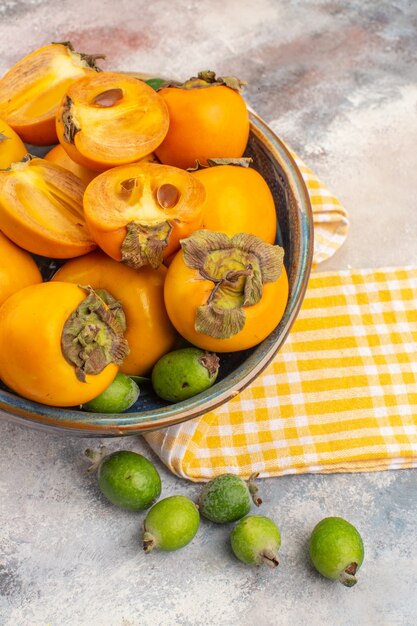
(295, 233)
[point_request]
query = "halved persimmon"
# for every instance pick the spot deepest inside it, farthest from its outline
(32, 89)
(138, 213)
(41, 209)
(110, 119)
(12, 148)
(208, 119)
(58, 156)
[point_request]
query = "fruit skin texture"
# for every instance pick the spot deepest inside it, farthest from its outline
(41, 209)
(12, 148)
(119, 396)
(149, 332)
(32, 89)
(225, 499)
(185, 290)
(255, 540)
(181, 374)
(58, 156)
(17, 269)
(170, 524)
(334, 545)
(31, 358)
(113, 135)
(238, 200)
(129, 480)
(204, 123)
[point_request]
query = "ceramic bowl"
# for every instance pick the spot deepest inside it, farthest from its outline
(273, 160)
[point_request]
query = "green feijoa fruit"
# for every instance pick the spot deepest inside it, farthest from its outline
(255, 540)
(170, 524)
(119, 396)
(336, 550)
(184, 373)
(129, 480)
(227, 498)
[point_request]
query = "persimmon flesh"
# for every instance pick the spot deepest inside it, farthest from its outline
(32, 89)
(138, 213)
(110, 119)
(41, 209)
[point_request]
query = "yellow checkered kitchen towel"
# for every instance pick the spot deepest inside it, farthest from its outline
(341, 395)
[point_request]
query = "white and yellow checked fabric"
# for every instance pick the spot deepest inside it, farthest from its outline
(331, 222)
(340, 396)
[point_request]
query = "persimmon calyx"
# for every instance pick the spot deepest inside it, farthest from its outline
(238, 266)
(241, 162)
(92, 336)
(87, 60)
(145, 244)
(207, 78)
(69, 120)
(3, 137)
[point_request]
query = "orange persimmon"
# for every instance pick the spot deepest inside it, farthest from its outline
(207, 119)
(110, 119)
(12, 148)
(138, 213)
(226, 294)
(60, 344)
(149, 332)
(58, 156)
(32, 89)
(17, 269)
(41, 209)
(238, 200)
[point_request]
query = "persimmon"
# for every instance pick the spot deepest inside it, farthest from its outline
(110, 119)
(238, 200)
(208, 118)
(58, 156)
(225, 294)
(33, 88)
(41, 209)
(17, 269)
(60, 344)
(149, 332)
(12, 148)
(138, 213)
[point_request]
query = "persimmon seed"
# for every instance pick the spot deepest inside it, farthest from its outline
(108, 98)
(128, 184)
(167, 195)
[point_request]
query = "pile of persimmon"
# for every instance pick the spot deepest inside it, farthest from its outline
(166, 230)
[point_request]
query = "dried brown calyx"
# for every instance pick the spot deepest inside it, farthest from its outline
(240, 162)
(89, 60)
(92, 336)
(207, 78)
(145, 244)
(69, 120)
(238, 267)
(3, 137)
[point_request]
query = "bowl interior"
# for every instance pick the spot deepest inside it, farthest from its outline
(272, 159)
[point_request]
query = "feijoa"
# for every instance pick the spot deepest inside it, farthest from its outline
(119, 396)
(170, 524)
(129, 480)
(228, 498)
(255, 540)
(184, 373)
(336, 550)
